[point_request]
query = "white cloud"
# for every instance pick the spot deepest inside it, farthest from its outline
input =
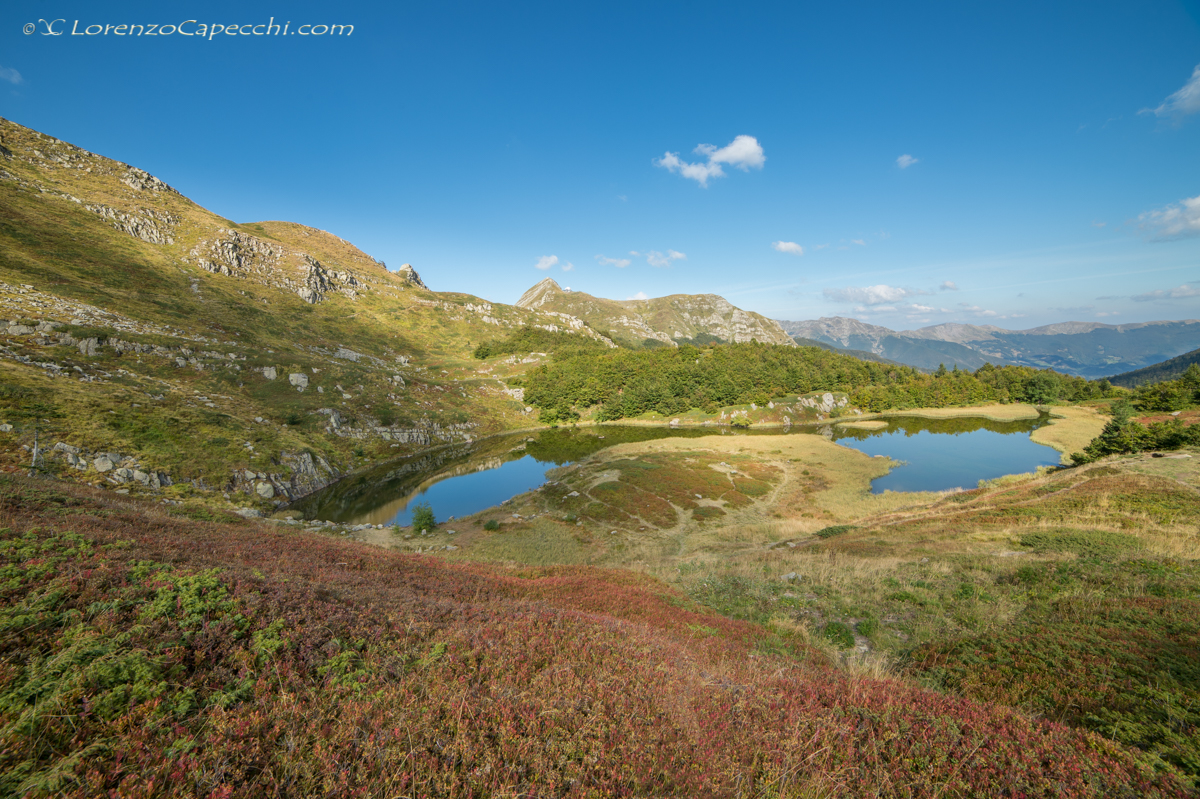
(1099, 224)
(859, 242)
(619, 263)
(641, 295)
(948, 285)
(1174, 221)
(11, 75)
(568, 266)
(744, 153)
(905, 161)
(875, 309)
(1183, 102)
(1180, 292)
(820, 246)
(545, 262)
(870, 295)
(916, 308)
(980, 311)
(790, 247)
(1107, 313)
(656, 258)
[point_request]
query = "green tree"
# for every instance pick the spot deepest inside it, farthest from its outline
(422, 517)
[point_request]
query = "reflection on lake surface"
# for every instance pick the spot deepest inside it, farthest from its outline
(463, 479)
(940, 454)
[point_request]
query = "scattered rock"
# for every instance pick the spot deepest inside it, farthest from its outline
(790, 577)
(298, 379)
(102, 464)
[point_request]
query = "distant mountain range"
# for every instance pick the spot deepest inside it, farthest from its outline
(669, 320)
(1088, 349)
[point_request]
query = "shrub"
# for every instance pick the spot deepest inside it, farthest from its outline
(422, 517)
(839, 634)
(491, 525)
(831, 531)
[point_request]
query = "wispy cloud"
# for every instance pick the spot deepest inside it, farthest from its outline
(906, 160)
(859, 242)
(1183, 102)
(790, 247)
(871, 295)
(568, 267)
(11, 75)
(545, 262)
(1177, 293)
(656, 258)
(744, 153)
(641, 295)
(619, 263)
(948, 285)
(1174, 221)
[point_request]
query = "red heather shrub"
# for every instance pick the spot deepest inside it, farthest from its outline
(147, 656)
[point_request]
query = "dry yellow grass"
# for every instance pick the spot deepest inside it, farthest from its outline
(1071, 429)
(995, 412)
(866, 424)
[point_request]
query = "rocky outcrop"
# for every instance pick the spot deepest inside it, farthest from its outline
(149, 225)
(407, 273)
(140, 180)
(237, 254)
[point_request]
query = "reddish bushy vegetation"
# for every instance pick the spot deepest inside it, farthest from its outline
(143, 655)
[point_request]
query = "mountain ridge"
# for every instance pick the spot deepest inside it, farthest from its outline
(1086, 349)
(665, 320)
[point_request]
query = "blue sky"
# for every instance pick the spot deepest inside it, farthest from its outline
(1013, 164)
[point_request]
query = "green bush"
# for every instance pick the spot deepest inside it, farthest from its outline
(491, 525)
(839, 634)
(837, 529)
(422, 517)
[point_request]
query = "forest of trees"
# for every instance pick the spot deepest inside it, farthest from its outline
(1170, 395)
(627, 383)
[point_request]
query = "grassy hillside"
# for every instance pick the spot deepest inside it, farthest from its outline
(1158, 373)
(137, 323)
(149, 655)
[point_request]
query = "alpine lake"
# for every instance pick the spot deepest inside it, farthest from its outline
(462, 479)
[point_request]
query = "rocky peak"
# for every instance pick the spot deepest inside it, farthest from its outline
(406, 272)
(537, 296)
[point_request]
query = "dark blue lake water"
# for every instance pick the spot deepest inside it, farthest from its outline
(463, 479)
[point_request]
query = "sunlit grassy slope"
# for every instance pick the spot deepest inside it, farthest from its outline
(188, 312)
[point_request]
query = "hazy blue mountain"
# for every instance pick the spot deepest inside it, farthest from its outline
(1088, 349)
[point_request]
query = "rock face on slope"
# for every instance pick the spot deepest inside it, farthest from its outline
(664, 319)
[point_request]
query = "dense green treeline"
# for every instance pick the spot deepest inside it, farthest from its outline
(1123, 435)
(628, 383)
(1170, 395)
(533, 339)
